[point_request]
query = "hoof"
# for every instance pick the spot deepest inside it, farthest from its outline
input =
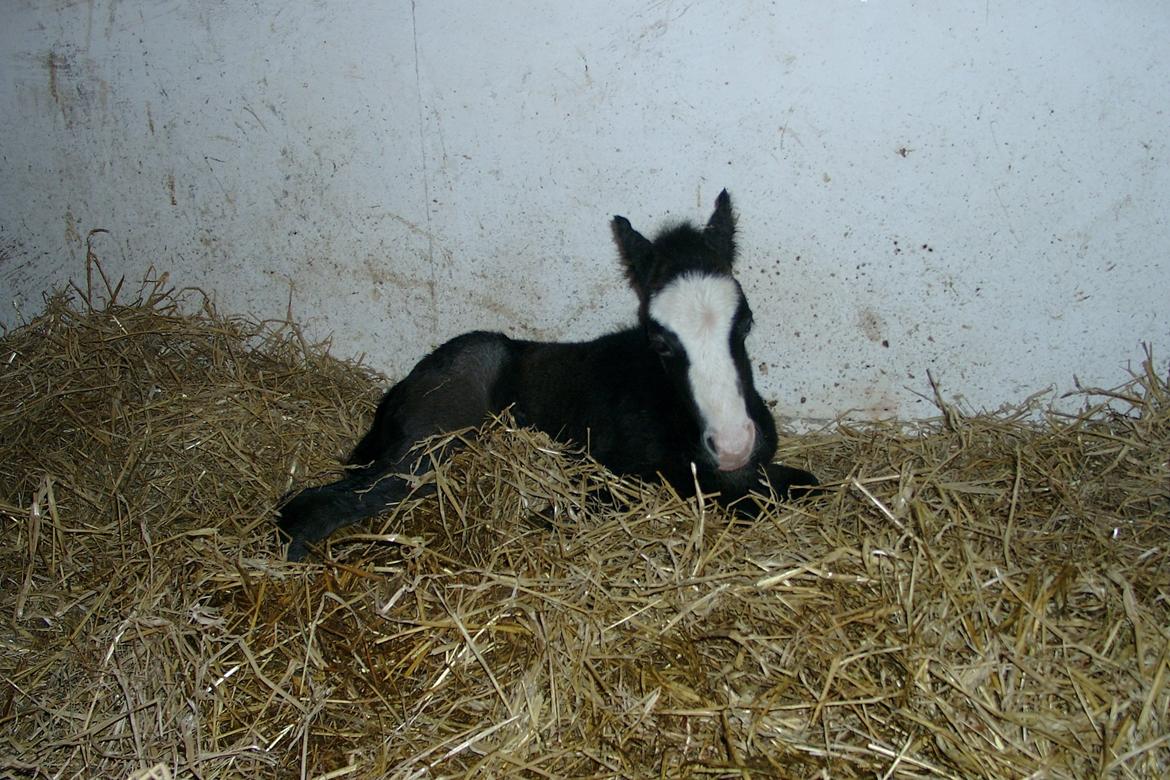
(790, 483)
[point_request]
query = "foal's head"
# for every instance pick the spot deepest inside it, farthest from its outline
(696, 318)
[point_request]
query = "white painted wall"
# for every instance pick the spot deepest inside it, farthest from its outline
(983, 186)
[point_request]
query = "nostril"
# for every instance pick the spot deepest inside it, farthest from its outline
(709, 443)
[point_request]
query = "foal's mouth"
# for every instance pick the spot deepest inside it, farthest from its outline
(738, 465)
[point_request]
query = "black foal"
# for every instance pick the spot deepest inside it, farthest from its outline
(650, 401)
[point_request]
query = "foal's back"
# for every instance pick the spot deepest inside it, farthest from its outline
(611, 394)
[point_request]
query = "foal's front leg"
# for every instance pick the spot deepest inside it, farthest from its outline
(784, 482)
(789, 483)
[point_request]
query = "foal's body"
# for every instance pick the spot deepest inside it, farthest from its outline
(649, 401)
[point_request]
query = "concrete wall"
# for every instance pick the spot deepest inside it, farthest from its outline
(980, 189)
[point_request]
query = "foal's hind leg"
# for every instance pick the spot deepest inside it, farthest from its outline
(450, 389)
(314, 513)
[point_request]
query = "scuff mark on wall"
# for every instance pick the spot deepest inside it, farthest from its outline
(51, 63)
(8, 249)
(871, 324)
(76, 86)
(426, 181)
(380, 274)
(72, 236)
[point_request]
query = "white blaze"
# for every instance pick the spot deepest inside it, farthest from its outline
(700, 310)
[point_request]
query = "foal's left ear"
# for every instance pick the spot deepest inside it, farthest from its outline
(720, 231)
(635, 250)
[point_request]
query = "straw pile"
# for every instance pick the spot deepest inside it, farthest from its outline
(980, 597)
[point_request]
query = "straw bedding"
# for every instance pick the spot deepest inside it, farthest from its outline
(984, 596)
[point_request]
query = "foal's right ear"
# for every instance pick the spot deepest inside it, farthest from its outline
(635, 250)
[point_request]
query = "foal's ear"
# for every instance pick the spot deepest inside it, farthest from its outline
(720, 231)
(634, 249)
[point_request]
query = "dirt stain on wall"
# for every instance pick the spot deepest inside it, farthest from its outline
(51, 64)
(871, 324)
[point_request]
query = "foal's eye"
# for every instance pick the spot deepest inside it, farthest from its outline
(661, 345)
